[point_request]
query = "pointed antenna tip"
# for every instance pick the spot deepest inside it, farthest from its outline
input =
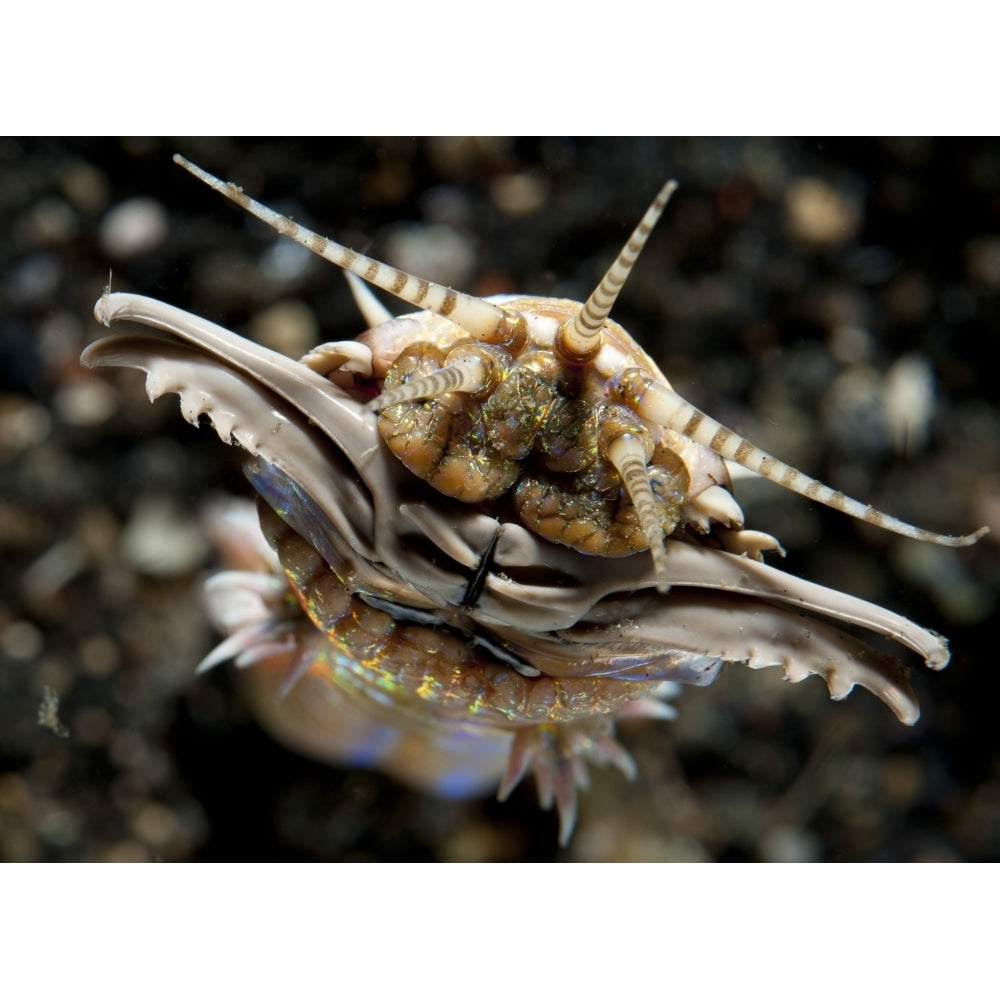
(191, 168)
(955, 541)
(195, 171)
(666, 193)
(976, 535)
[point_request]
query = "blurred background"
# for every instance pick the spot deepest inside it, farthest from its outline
(837, 302)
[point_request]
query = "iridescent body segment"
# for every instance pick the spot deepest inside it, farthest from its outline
(425, 670)
(499, 531)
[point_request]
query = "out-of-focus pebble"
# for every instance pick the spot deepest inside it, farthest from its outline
(908, 402)
(58, 825)
(978, 822)
(287, 327)
(284, 261)
(519, 194)
(33, 279)
(125, 852)
(60, 336)
(50, 223)
(909, 297)
(86, 402)
(904, 779)
(99, 655)
(84, 185)
(134, 227)
(23, 424)
(93, 725)
(20, 640)
(448, 205)
(788, 844)
(982, 257)
(162, 540)
(436, 252)
(853, 410)
(155, 824)
(821, 215)
(457, 156)
(53, 569)
(474, 843)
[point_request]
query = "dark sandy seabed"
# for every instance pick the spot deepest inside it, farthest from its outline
(781, 293)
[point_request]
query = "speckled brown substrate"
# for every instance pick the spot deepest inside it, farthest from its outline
(781, 293)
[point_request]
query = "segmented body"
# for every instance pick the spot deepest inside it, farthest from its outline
(498, 527)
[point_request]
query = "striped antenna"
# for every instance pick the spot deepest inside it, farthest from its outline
(479, 318)
(660, 404)
(628, 455)
(579, 338)
(467, 373)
